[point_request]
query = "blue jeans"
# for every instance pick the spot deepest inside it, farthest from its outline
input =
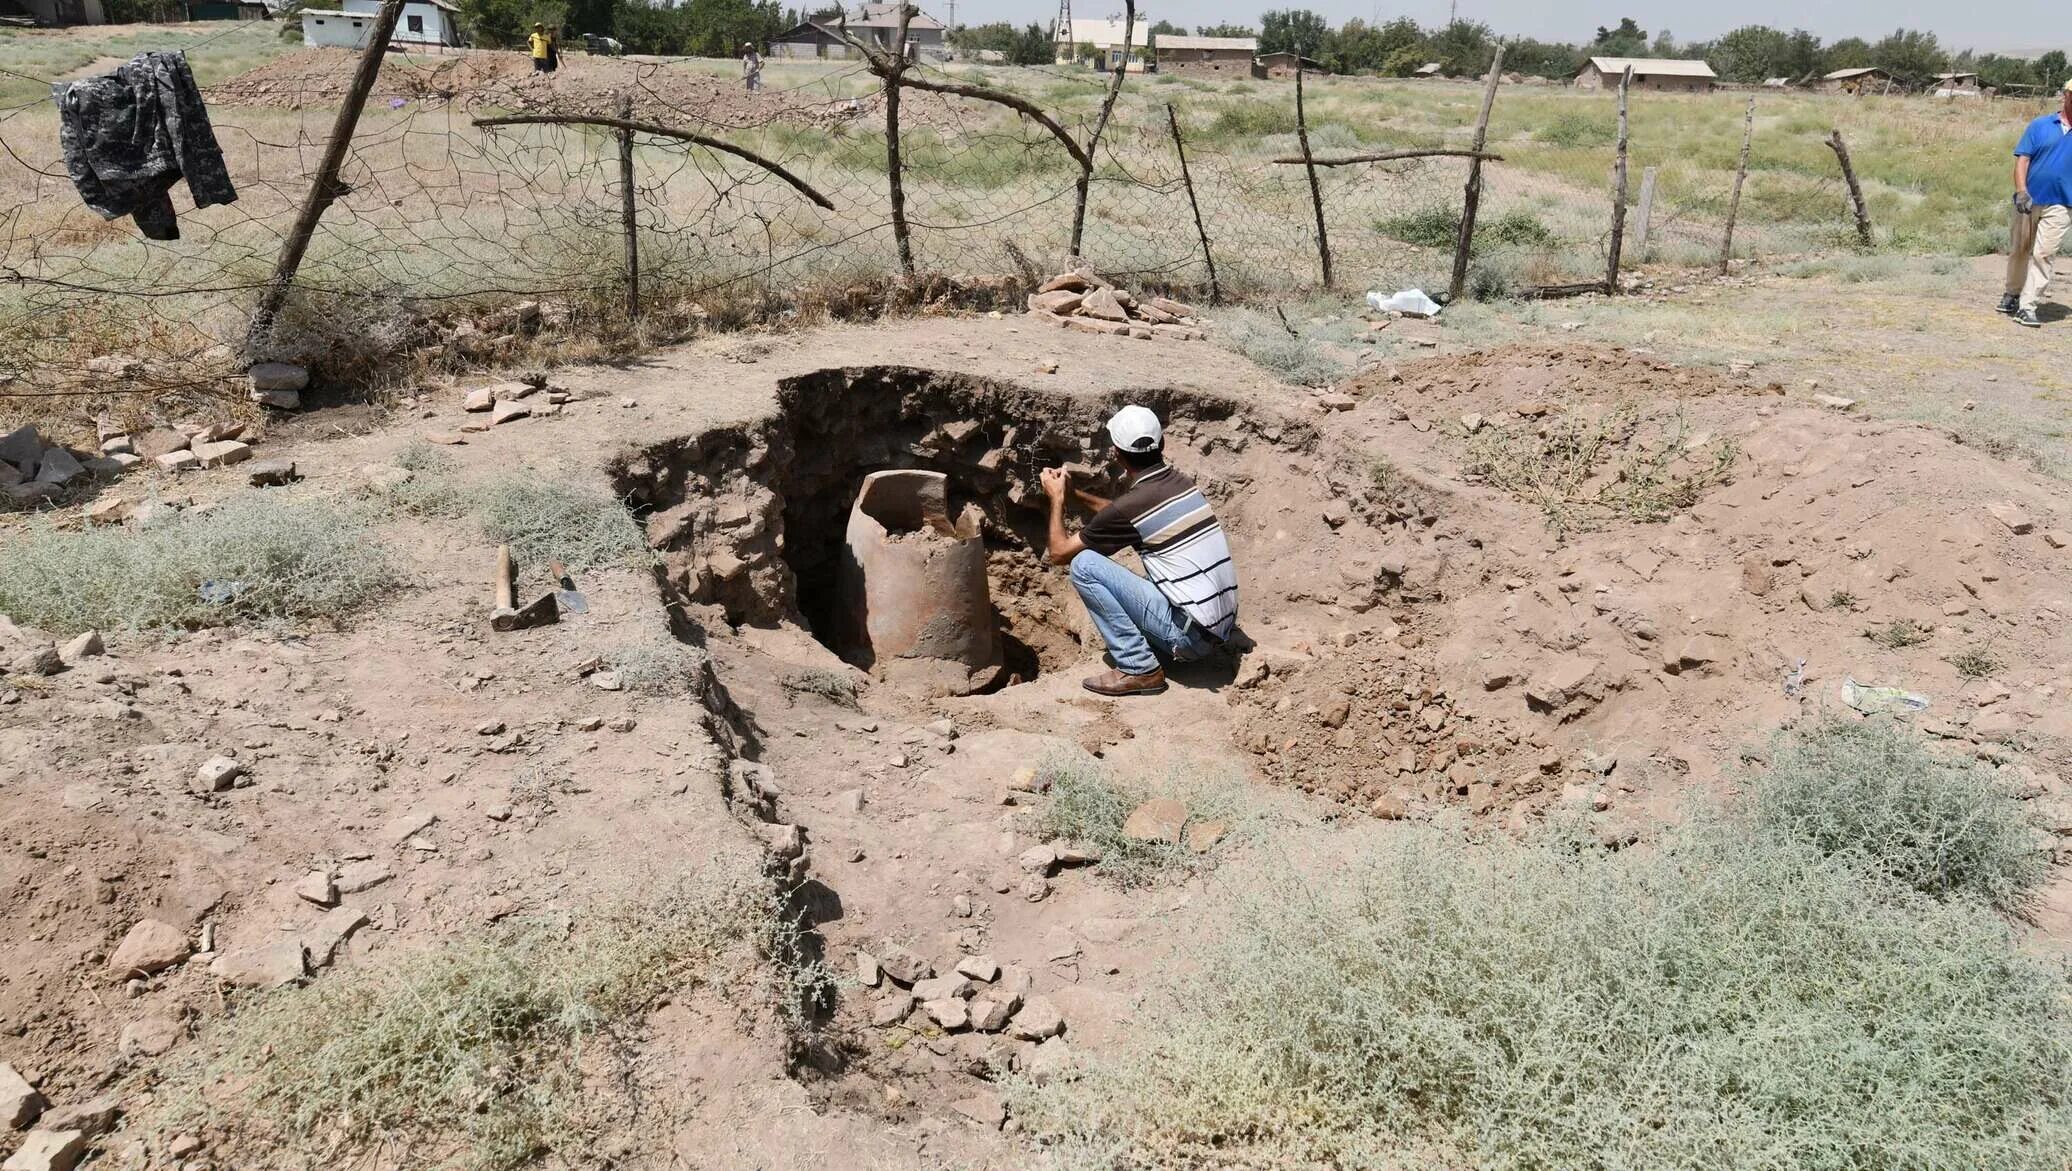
(1135, 619)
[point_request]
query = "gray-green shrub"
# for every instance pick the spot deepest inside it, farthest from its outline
(586, 528)
(260, 556)
(1726, 1002)
(1872, 793)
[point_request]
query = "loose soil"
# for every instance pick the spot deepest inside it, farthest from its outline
(1421, 644)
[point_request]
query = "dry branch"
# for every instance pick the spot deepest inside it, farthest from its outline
(1021, 106)
(1390, 156)
(775, 168)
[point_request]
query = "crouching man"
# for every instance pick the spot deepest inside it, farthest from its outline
(1187, 606)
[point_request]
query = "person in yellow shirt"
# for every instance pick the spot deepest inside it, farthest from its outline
(542, 49)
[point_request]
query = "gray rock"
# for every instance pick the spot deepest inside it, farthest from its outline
(20, 1104)
(279, 400)
(37, 660)
(1038, 1019)
(330, 933)
(47, 1150)
(317, 887)
(108, 467)
(989, 1012)
(903, 965)
(85, 646)
(151, 1036)
(942, 988)
(153, 945)
(272, 473)
(58, 466)
(355, 877)
(266, 377)
(22, 446)
(1038, 859)
(984, 1108)
(891, 1008)
(273, 965)
(1049, 1060)
(868, 973)
(217, 774)
(95, 1116)
(951, 1013)
(984, 968)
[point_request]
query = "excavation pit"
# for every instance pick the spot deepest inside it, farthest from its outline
(753, 521)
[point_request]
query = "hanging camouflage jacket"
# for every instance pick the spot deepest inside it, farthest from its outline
(128, 136)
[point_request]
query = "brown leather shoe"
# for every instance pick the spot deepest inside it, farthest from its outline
(1115, 683)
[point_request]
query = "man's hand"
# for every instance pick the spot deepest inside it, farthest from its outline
(2022, 202)
(1053, 483)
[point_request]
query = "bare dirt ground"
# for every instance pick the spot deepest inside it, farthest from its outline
(1428, 644)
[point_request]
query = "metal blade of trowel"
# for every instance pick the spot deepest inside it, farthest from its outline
(570, 598)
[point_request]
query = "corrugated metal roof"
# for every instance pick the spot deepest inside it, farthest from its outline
(1248, 44)
(1845, 74)
(1652, 67)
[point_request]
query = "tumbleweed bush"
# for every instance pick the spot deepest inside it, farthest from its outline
(586, 528)
(1872, 793)
(260, 556)
(484, 1040)
(1728, 1001)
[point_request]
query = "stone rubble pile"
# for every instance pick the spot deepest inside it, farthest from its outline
(506, 402)
(34, 470)
(1081, 299)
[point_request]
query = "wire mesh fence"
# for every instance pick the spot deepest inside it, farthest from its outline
(443, 220)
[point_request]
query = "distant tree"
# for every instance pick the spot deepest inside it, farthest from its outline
(1292, 30)
(1359, 47)
(1406, 60)
(1847, 53)
(1463, 47)
(593, 16)
(1802, 55)
(2050, 69)
(1910, 55)
(1166, 28)
(1752, 52)
(998, 37)
(1542, 58)
(1665, 44)
(1225, 30)
(1627, 40)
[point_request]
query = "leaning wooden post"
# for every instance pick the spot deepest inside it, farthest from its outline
(325, 187)
(901, 233)
(1611, 270)
(1863, 215)
(1472, 197)
(1187, 181)
(632, 224)
(1726, 246)
(1316, 193)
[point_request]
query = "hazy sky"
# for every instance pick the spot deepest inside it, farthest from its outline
(2002, 26)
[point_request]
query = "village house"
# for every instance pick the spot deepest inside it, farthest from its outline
(1957, 85)
(1104, 37)
(1281, 66)
(1857, 81)
(876, 24)
(1662, 75)
(1429, 69)
(1207, 56)
(422, 24)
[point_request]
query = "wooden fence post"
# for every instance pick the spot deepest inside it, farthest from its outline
(902, 235)
(1726, 246)
(1863, 215)
(1647, 213)
(1187, 180)
(1093, 141)
(1611, 270)
(1472, 197)
(1316, 193)
(632, 224)
(325, 187)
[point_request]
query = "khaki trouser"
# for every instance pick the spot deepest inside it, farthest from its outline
(2036, 240)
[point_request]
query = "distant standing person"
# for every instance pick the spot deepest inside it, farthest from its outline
(542, 49)
(751, 67)
(2043, 207)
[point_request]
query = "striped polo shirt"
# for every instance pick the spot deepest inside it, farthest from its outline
(1167, 520)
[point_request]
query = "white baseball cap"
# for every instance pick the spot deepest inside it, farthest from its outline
(1135, 428)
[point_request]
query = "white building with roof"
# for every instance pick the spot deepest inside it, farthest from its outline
(422, 23)
(1106, 38)
(1663, 74)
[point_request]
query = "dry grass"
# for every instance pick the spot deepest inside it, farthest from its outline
(1588, 467)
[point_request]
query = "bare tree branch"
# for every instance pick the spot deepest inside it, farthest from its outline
(778, 169)
(1390, 155)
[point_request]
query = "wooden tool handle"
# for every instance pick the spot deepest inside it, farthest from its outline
(502, 580)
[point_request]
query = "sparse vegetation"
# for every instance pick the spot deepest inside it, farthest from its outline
(1841, 600)
(1566, 471)
(1869, 792)
(1439, 227)
(1088, 805)
(432, 489)
(508, 1039)
(832, 686)
(250, 558)
(1291, 358)
(659, 666)
(1975, 662)
(1899, 634)
(584, 527)
(1753, 993)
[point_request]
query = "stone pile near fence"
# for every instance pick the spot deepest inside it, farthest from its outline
(1082, 300)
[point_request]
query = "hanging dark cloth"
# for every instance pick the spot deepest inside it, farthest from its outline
(129, 135)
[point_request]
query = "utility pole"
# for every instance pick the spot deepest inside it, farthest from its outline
(1062, 34)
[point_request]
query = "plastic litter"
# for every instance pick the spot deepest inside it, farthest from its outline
(1411, 302)
(1865, 698)
(220, 593)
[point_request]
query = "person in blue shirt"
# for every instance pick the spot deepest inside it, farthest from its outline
(2043, 208)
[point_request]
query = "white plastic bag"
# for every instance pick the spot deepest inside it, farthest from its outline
(1410, 301)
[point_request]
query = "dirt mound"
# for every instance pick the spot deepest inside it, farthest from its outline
(487, 80)
(1502, 380)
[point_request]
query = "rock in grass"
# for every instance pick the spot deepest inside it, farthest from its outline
(37, 660)
(151, 1036)
(1038, 1019)
(274, 965)
(95, 1116)
(1158, 820)
(85, 646)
